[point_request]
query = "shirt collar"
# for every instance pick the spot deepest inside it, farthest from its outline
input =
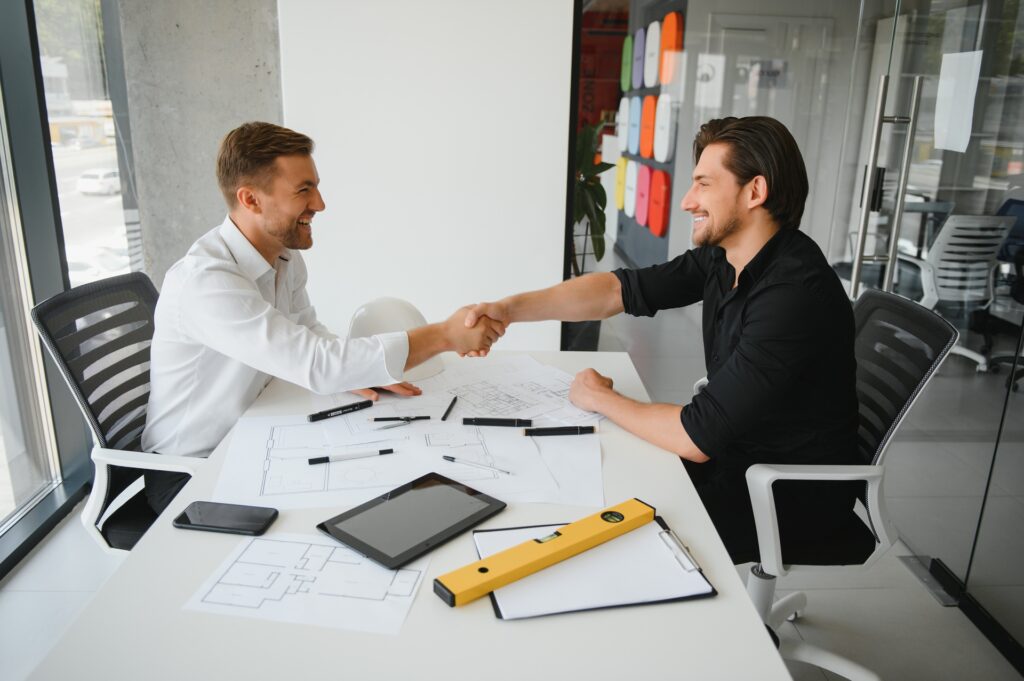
(760, 262)
(245, 254)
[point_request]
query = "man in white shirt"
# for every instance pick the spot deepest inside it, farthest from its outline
(234, 313)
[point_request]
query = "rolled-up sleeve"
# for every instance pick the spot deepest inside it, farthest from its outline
(676, 283)
(224, 308)
(779, 341)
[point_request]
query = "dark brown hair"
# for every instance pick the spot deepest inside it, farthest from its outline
(759, 145)
(247, 155)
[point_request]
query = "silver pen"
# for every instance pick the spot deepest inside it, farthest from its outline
(478, 465)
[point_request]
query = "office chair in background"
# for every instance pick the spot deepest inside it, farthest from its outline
(960, 266)
(99, 335)
(899, 346)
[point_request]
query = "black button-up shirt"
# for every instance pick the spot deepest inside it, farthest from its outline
(778, 348)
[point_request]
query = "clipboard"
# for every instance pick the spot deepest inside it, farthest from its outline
(646, 566)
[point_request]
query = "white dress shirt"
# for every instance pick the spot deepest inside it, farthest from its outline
(226, 323)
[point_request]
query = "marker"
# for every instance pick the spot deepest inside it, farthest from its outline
(451, 406)
(349, 455)
(514, 423)
(401, 418)
(474, 463)
(338, 411)
(561, 430)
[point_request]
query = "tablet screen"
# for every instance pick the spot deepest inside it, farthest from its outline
(412, 519)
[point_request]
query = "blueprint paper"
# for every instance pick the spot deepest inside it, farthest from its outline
(303, 579)
(267, 462)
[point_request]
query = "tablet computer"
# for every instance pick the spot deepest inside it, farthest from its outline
(410, 520)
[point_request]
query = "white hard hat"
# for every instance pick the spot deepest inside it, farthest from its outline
(385, 315)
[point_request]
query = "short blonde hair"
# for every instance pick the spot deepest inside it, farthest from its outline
(247, 155)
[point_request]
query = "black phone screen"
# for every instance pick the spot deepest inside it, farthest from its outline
(234, 518)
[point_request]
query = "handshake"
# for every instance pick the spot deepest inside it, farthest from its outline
(474, 328)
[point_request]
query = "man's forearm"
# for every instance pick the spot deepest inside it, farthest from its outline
(659, 424)
(425, 342)
(593, 296)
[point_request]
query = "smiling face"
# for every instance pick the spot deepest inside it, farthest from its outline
(293, 198)
(714, 198)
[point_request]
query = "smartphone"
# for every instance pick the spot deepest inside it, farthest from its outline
(231, 518)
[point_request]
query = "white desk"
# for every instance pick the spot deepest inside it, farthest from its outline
(136, 628)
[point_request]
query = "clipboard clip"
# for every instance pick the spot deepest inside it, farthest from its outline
(679, 550)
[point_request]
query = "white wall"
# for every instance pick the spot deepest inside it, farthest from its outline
(442, 136)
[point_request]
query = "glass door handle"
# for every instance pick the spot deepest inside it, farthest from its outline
(901, 190)
(870, 180)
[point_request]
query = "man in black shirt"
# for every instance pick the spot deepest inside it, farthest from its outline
(778, 336)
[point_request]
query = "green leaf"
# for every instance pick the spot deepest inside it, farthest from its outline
(577, 202)
(596, 169)
(585, 146)
(598, 194)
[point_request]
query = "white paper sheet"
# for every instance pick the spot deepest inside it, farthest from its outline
(267, 462)
(954, 100)
(635, 568)
(310, 580)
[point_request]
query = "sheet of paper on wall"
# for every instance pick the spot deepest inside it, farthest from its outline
(302, 579)
(267, 461)
(954, 100)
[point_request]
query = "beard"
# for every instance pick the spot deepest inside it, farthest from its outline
(714, 236)
(292, 236)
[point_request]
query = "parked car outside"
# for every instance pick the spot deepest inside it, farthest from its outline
(99, 181)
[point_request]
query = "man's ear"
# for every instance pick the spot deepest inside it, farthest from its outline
(248, 199)
(757, 192)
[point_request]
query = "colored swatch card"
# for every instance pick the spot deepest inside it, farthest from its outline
(671, 45)
(633, 139)
(638, 58)
(652, 54)
(629, 198)
(626, 75)
(643, 193)
(664, 129)
(622, 123)
(620, 182)
(660, 202)
(647, 126)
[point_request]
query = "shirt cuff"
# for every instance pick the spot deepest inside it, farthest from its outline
(396, 353)
(691, 424)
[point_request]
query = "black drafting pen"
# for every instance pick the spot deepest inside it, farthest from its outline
(451, 405)
(560, 430)
(349, 455)
(514, 423)
(401, 418)
(338, 411)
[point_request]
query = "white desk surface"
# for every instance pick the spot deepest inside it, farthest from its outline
(135, 628)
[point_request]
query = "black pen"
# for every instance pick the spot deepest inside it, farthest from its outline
(561, 430)
(451, 406)
(338, 411)
(514, 423)
(349, 455)
(401, 418)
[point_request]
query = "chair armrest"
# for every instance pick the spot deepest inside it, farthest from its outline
(912, 260)
(152, 462)
(761, 477)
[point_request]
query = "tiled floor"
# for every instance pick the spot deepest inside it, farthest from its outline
(882, 617)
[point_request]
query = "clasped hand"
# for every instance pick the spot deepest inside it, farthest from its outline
(474, 339)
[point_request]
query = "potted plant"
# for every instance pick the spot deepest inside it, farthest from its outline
(588, 204)
(588, 196)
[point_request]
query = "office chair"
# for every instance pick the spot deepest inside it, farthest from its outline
(899, 346)
(960, 265)
(99, 335)
(384, 315)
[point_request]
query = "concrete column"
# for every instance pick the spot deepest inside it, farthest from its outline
(195, 69)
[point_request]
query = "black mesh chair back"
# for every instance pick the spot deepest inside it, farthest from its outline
(899, 345)
(100, 335)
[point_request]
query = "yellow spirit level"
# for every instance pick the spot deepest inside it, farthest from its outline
(477, 579)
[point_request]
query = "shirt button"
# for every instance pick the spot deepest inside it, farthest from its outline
(714, 358)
